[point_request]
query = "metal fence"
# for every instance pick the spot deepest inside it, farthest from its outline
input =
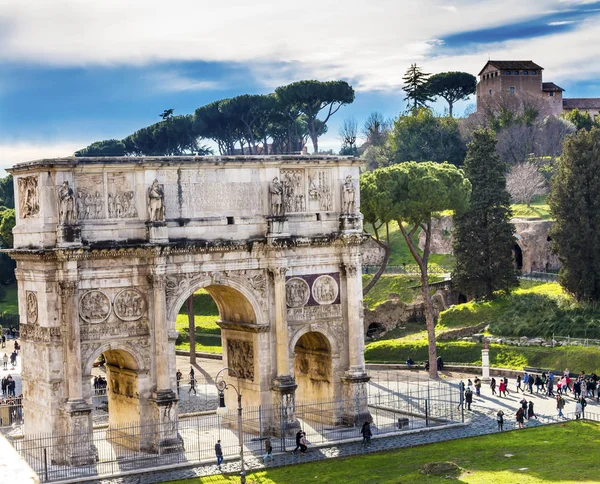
(539, 276)
(111, 450)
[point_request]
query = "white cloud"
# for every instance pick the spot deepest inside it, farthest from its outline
(13, 153)
(561, 22)
(370, 43)
(176, 82)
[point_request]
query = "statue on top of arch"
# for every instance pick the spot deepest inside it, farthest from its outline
(156, 203)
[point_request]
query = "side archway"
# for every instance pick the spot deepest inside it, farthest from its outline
(313, 366)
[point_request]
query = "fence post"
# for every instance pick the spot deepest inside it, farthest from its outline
(260, 428)
(426, 413)
(45, 465)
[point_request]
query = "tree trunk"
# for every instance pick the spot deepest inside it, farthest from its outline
(386, 258)
(315, 142)
(450, 106)
(422, 262)
(192, 329)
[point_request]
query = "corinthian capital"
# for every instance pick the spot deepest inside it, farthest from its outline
(156, 280)
(351, 269)
(67, 288)
(278, 272)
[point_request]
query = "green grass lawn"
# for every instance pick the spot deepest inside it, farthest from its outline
(208, 333)
(403, 285)
(538, 208)
(10, 303)
(565, 453)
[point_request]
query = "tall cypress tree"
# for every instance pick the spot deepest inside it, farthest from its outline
(415, 87)
(575, 205)
(484, 238)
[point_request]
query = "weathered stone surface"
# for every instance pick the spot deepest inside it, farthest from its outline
(532, 238)
(154, 231)
(371, 253)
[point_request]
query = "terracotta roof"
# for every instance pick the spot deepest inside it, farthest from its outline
(582, 103)
(550, 86)
(513, 65)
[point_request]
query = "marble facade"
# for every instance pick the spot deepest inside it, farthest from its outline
(109, 249)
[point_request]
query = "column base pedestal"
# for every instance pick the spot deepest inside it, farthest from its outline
(351, 223)
(157, 232)
(355, 410)
(278, 227)
(164, 437)
(285, 423)
(77, 445)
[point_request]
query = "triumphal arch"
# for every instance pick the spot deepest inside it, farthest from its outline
(108, 249)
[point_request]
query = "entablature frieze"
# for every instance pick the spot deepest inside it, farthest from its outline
(190, 247)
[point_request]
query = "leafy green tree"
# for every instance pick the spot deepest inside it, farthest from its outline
(109, 147)
(312, 97)
(212, 123)
(6, 225)
(421, 136)
(376, 129)
(581, 120)
(166, 114)
(452, 86)
(484, 237)
(7, 192)
(415, 81)
(411, 194)
(368, 207)
(575, 204)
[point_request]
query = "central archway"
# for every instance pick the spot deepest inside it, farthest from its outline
(313, 368)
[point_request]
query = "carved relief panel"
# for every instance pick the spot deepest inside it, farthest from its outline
(121, 195)
(294, 190)
(32, 307)
(94, 307)
(313, 297)
(319, 191)
(129, 305)
(29, 198)
(240, 357)
(89, 197)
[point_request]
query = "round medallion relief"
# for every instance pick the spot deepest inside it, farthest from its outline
(130, 305)
(32, 307)
(94, 307)
(297, 292)
(325, 290)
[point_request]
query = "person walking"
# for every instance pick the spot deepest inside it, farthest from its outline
(469, 397)
(583, 405)
(506, 392)
(560, 405)
(519, 380)
(219, 454)
(298, 438)
(477, 382)
(5, 361)
(192, 384)
(366, 434)
(525, 381)
(268, 450)
(493, 386)
(520, 420)
(303, 443)
(178, 377)
(500, 420)
(3, 341)
(524, 406)
(530, 412)
(502, 389)
(578, 410)
(530, 383)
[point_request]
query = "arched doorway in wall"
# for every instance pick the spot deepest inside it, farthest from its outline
(313, 368)
(125, 392)
(232, 331)
(518, 253)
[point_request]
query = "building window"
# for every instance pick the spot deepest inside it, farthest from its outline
(551, 94)
(534, 73)
(507, 73)
(525, 73)
(516, 73)
(512, 90)
(490, 91)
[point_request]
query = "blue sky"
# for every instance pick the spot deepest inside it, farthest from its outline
(73, 72)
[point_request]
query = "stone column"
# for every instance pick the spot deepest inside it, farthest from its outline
(485, 363)
(284, 385)
(164, 436)
(355, 408)
(78, 444)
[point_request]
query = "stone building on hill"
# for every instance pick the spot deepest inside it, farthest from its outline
(525, 76)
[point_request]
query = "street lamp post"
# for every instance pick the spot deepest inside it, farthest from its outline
(222, 385)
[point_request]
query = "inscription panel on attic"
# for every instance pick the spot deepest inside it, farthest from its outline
(191, 193)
